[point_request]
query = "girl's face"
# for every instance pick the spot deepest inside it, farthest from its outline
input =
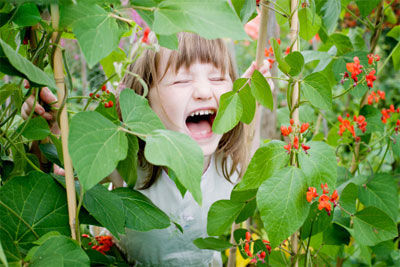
(187, 101)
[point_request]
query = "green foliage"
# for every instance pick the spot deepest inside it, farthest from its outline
(221, 216)
(35, 129)
(309, 23)
(261, 90)
(317, 90)
(229, 113)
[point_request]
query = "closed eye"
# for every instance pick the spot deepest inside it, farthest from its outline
(181, 81)
(217, 79)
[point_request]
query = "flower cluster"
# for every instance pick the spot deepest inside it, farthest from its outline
(104, 243)
(297, 131)
(370, 78)
(324, 200)
(269, 53)
(375, 97)
(346, 124)
(259, 256)
(145, 38)
(372, 58)
(103, 97)
(354, 68)
(386, 113)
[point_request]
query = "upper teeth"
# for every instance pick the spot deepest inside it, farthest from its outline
(202, 112)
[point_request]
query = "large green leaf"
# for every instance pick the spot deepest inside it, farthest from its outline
(372, 226)
(296, 62)
(373, 117)
(282, 203)
(317, 90)
(331, 10)
(36, 128)
(395, 33)
(309, 24)
(366, 6)
(221, 215)
(229, 113)
(212, 243)
(172, 16)
(30, 206)
(140, 213)
(266, 161)
(27, 15)
(137, 114)
(316, 222)
(319, 164)
(96, 145)
(348, 198)
(107, 208)
(342, 43)
(60, 251)
(381, 192)
(97, 32)
(127, 168)
(244, 9)
(26, 67)
(261, 90)
(181, 154)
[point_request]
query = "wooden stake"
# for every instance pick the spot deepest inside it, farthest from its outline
(59, 78)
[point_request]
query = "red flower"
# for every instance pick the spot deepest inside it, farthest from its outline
(324, 188)
(288, 147)
(248, 236)
(334, 197)
(345, 125)
(305, 148)
(324, 204)
(377, 58)
(267, 245)
(370, 58)
(287, 51)
(311, 193)
(362, 124)
(104, 88)
(291, 121)
(285, 131)
(354, 68)
(304, 127)
(266, 52)
(105, 243)
(370, 78)
(145, 38)
(296, 142)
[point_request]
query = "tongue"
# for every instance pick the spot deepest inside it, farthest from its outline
(199, 128)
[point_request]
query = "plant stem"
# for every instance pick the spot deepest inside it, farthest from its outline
(383, 158)
(369, 26)
(273, 9)
(152, 9)
(130, 132)
(64, 127)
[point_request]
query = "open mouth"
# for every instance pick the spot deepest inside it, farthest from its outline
(200, 123)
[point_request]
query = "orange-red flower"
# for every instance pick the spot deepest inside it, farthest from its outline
(370, 78)
(354, 68)
(287, 51)
(325, 188)
(305, 148)
(346, 125)
(324, 203)
(311, 193)
(145, 38)
(288, 147)
(296, 142)
(334, 197)
(304, 127)
(362, 124)
(285, 131)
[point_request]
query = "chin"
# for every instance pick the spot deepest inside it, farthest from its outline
(209, 148)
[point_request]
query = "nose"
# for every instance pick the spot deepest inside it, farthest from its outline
(202, 90)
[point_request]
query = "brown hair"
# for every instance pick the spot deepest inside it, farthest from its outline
(191, 48)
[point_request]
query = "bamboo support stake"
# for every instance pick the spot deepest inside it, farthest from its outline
(64, 128)
(294, 33)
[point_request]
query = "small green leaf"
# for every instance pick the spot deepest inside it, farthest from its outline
(373, 117)
(26, 67)
(36, 129)
(372, 226)
(366, 6)
(118, 55)
(60, 251)
(247, 211)
(396, 145)
(381, 192)
(127, 168)
(348, 198)
(261, 90)
(266, 161)
(282, 203)
(309, 23)
(50, 152)
(181, 154)
(178, 184)
(342, 43)
(96, 146)
(317, 90)
(221, 215)
(27, 15)
(396, 57)
(394, 33)
(248, 102)
(316, 222)
(331, 10)
(137, 113)
(212, 243)
(296, 62)
(107, 208)
(140, 213)
(282, 64)
(8, 90)
(319, 165)
(229, 113)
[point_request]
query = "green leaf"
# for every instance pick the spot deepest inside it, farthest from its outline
(331, 10)
(396, 57)
(309, 23)
(336, 235)
(366, 6)
(372, 226)
(30, 206)
(8, 90)
(3, 258)
(172, 16)
(282, 203)
(319, 165)
(96, 145)
(247, 211)
(27, 15)
(348, 198)
(229, 113)
(248, 102)
(26, 67)
(178, 184)
(168, 41)
(244, 9)
(181, 154)
(127, 168)
(107, 208)
(296, 62)
(212, 243)
(342, 43)
(221, 215)
(60, 251)
(282, 64)
(373, 117)
(98, 34)
(311, 55)
(266, 161)
(394, 33)
(137, 114)
(317, 90)
(118, 55)
(140, 213)
(261, 90)
(396, 145)
(316, 222)
(381, 192)
(50, 152)
(36, 128)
